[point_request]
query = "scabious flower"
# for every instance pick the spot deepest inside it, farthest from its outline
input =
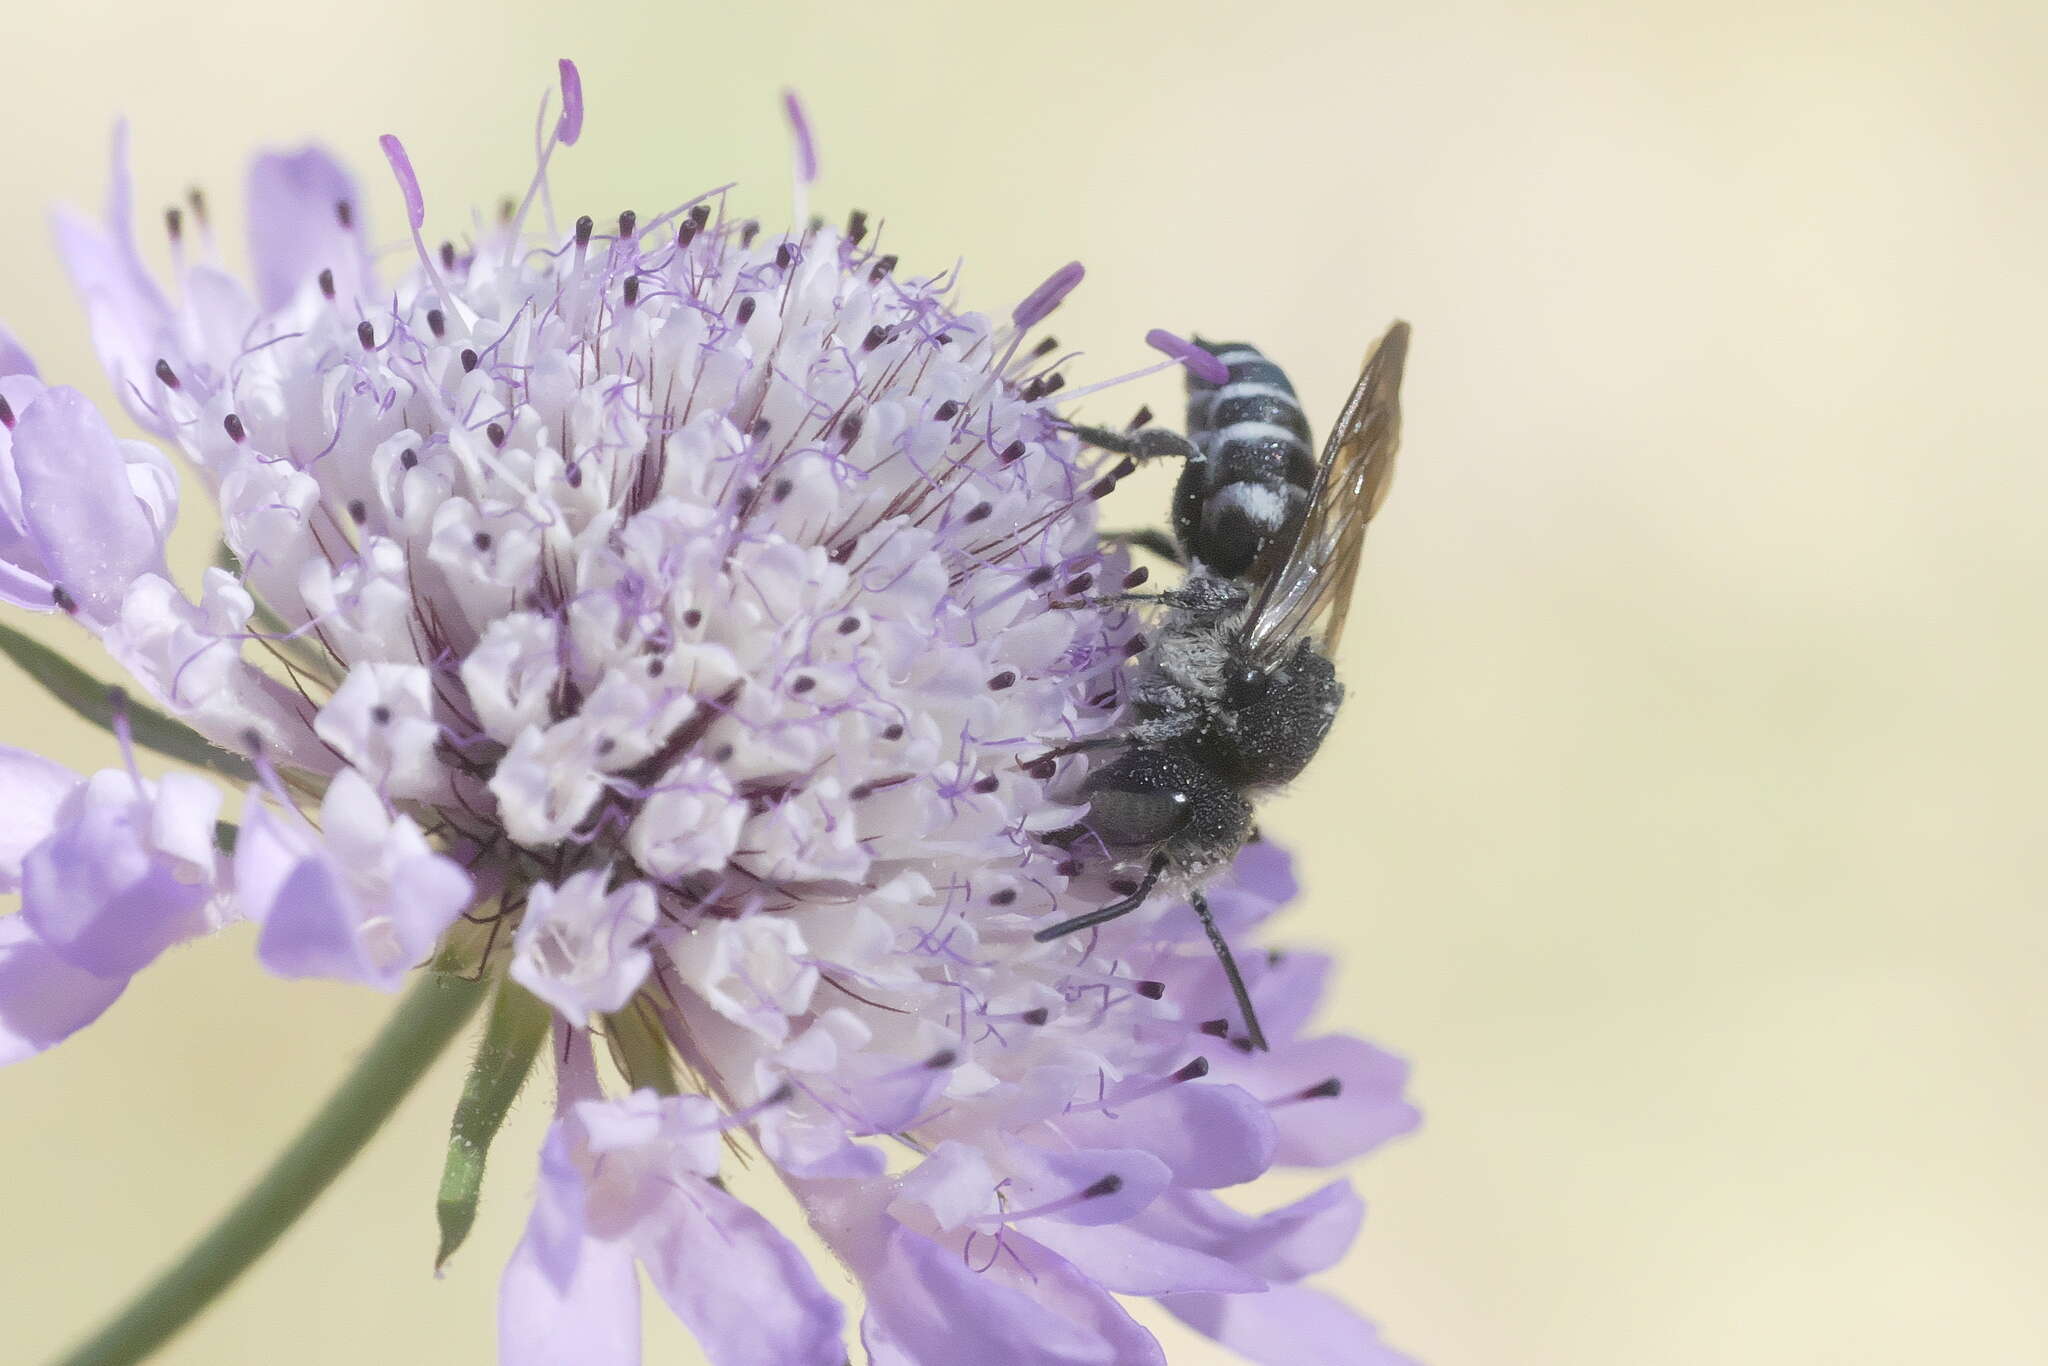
(670, 618)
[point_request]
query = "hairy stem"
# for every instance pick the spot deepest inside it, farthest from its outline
(430, 1016)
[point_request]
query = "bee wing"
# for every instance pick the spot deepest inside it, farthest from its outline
(1309, 594)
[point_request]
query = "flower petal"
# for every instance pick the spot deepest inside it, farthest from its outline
(130, 320)
(298, 226)
(928, 1307)
(79, 509)
(14, 360)
(1325, 1130)
(1121, 1258)
(102, 892)
(1282, 1245)
(740, 1286)
(43, 999)
(1288, 1326)
(1209, 1135)
(31, 790)
(566, 1296)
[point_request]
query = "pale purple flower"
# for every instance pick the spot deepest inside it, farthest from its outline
(671, 614)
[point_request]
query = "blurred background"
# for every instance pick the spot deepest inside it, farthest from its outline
(1685, 827)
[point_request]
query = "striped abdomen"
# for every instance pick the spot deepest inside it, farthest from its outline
(1250, 489)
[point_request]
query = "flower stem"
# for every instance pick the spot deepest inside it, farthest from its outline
(430, 1016)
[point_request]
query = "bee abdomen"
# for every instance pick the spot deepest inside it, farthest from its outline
(1252, 419)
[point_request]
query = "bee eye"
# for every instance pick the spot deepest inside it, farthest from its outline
(1122, 815)
(1247, 686)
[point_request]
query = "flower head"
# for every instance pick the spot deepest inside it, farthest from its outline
(671, 615)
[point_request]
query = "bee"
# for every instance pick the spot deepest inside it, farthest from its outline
(1236, 690)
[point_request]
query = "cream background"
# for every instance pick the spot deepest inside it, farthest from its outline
(1685, 826)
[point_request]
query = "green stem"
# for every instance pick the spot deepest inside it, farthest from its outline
(430, 1016)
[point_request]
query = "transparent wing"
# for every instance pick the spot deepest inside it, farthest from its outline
(1309, 594)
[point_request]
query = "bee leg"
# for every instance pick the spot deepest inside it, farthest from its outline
(1147, 443)
(1150, 539)
(1253, 1033)
(1113, 910)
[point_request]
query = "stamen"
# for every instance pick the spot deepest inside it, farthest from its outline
(570, 126)
(1201, 364)
(1039, 303)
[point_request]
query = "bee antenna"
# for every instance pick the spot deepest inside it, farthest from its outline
(1255, 1035)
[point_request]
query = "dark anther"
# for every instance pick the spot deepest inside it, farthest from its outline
(942, 1059)
(381, 714)
(721, 754)
(327, 284)
(1037, 1015)
(447, 256)
(1219, 1028)
(1194, 1071)
(1151, 991)
(574, 475)
(482, 540)
(408, 458)
(1045, 348)
(875, 337)
(1051, 384)
(62, 598)
(436, 324)
(630, 291)
(583, 227)
(174, 222)
(948, 410)
(166, 374)
(344, 213)
(746, 310)
(802, 684)
(692, 619)
(357, 512)
(1244, 1045)
(196, 197)
(1006, 897)
(1135, 646)
(700, 214)
(495, 434)
(1042, 769)
(1080, 583)
(979, 512)
(849, 428)
(1002, 680)
(892, 731)
(1137, 576)
(1039, 577)
(628, 220)
(1012, 453)
(749, 230)
(1108, 1185)
(860, 792)
(1032, 390)
(366, 334)
(781, 1095)
(1101, 488)
(1324, 1090)
(655, 668)
(7, 414)
(781, 490)
(848, 625)
(1141, 417)
(468, 360)
(686, 232)
(1124, 468)
(984, 786)
(1069, 868)
(881, 267)
(606, 746)
(1123, 886)
(943, 338)
(856, 226)
(784, 254)
(760, 428)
